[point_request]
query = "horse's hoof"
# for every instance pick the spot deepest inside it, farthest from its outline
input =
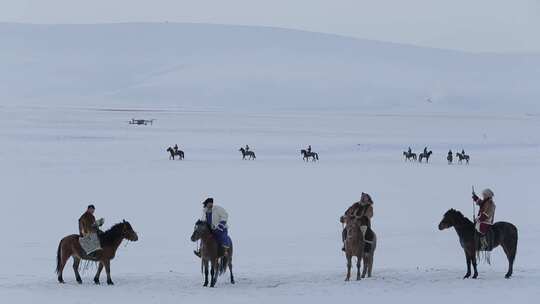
(475, 276)
(507, 276)
(468, 275)
(205, 285)
(96, 281)
(79, 281)
(61, 281)
(110, 283)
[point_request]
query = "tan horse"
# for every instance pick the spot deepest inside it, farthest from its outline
(110, 240)
(354, 245)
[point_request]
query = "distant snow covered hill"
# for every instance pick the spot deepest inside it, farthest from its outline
(200, 66)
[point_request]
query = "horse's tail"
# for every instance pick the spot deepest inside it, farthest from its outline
(58, 257)
(223, 262)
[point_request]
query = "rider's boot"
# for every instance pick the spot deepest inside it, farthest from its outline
(197, 252)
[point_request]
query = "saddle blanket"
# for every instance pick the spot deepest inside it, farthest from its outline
(90, 243)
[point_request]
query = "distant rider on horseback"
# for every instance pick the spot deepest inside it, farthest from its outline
(308, 149)
(364, 207)
(486, 214)
(247, 148)
(176, 148)
(88, 230)
(409, 151)
(216, 217)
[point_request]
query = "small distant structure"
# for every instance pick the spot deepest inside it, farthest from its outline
(145, 122)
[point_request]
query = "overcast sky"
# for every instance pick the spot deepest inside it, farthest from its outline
(475, 25)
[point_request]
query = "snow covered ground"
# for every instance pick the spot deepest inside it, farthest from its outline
(283, 212)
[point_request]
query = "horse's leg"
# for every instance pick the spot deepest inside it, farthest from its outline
(473, 260)
(349, 264)
(469, 260)
(213, 272)
(358, 265)
(98, 273)
(366, 266)
(205, 263)
(370, 264)
(76, 263)
(230, 270)
(510, 252)
(108, 270)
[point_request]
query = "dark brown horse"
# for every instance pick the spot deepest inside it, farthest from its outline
(370, 244)
(174, 153)
(425, 155)
(501, 233)
(462, 157)
(307, 155)
(210, 254)
(110, 240)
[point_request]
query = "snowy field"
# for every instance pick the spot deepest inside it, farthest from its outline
(283, 212)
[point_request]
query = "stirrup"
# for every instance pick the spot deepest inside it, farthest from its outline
(197, 253)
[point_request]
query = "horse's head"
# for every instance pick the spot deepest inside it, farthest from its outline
(241, 150)
(201, 229)
(303, 151)
(128, 233)
(449, 219)
(169, 149)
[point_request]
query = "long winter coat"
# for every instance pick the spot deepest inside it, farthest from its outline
(486, 214)
(87, 224)
(218, 215)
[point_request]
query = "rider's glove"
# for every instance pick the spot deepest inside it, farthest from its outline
(100, 222)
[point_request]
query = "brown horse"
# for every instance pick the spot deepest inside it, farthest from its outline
(354, 245)
(210, 254)
(110, 240)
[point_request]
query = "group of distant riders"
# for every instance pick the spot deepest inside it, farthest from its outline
(450, 156)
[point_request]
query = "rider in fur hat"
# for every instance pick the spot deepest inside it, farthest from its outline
(486, 214)
(364, 207)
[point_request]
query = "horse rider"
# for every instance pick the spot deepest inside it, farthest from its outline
(425, 150)
(88, 230)
(176, 148)
(450, 156)
(486, 214)
(409, 151)
(364, 207)
(309, 149)
(247, 148)
(216, 217)
(463, 152)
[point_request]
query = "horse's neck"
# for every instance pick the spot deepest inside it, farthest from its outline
(464, 229)
(207, 239)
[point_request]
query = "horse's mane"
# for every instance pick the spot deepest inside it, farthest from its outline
(112, 235)
(459, 217)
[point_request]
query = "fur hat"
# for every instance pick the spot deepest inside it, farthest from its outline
(208, 201)
(487, 193)
(91, 206)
